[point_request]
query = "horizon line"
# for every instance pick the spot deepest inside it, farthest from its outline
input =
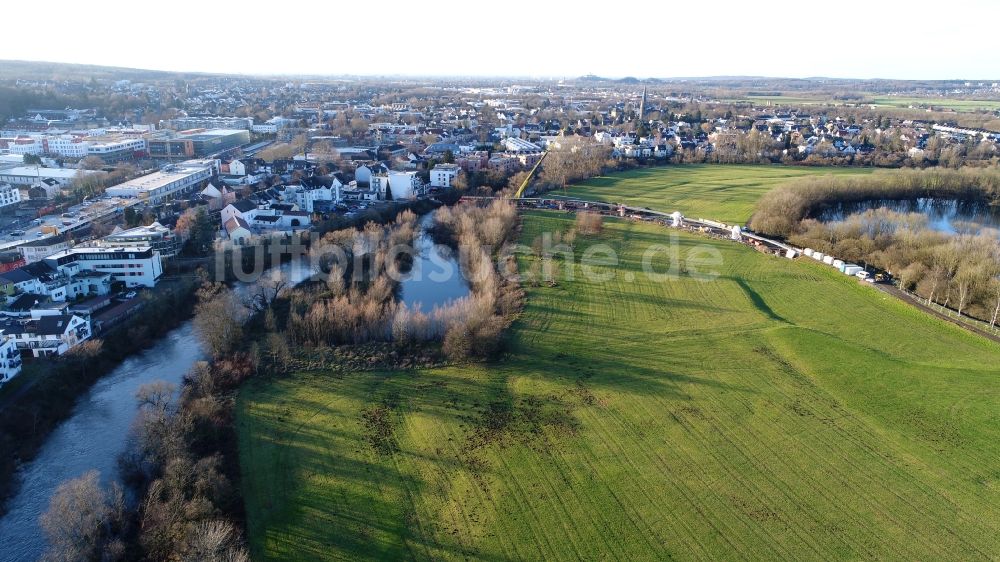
(595, 77)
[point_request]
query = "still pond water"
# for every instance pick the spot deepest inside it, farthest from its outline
(944, 215)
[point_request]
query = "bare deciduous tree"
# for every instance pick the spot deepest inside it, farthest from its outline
(83, 520)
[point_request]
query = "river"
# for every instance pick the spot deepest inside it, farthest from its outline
(92, 438)
(95, 434)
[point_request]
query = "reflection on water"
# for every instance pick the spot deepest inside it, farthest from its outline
(94, 436)
(944, 215)
(91, 439)
(435, 278)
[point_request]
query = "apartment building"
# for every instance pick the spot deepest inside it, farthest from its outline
(136, 266)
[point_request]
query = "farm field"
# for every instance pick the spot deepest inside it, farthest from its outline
(779, 411)
(721, 192)
(938, 103)
(897, 102)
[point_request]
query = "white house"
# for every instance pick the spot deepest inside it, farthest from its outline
(47, 335)
(9, 195)
(305, 198)
(10, 357)
(238, 230)
(363, 174)
(443, 174)
(237, 168)
(136, 266)
(244, 208)
(264, 218)
(405, 185)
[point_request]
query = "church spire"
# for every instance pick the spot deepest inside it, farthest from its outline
(642, 104)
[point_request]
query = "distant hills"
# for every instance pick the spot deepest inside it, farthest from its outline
(625, 80)
(34, 70)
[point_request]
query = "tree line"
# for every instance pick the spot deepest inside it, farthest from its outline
(958, 271)
(781, 210)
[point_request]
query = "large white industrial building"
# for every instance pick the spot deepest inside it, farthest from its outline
(166, 184)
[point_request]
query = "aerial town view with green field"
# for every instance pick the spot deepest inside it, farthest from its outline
(469, 282)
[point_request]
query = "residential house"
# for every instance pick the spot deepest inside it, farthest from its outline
(37, 250)
(442, 175)
(135, 266)
(10, 357)
(238, 230)
(47, 335)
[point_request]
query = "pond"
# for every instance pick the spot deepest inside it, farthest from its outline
(435, 278)
(944, 215)
(95, 434)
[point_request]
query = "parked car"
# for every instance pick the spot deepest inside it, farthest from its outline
(130, 295)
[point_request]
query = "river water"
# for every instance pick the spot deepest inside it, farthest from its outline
(91, 439)
(95, 434)
(944, 215)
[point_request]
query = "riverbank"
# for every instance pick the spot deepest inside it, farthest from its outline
(35, 408)
(44, 396)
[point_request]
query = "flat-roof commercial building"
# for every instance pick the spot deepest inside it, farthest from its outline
(207, 122)
(164, 185)
(29, 175)
(198, 143)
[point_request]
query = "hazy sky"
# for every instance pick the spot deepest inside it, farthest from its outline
(844, 38)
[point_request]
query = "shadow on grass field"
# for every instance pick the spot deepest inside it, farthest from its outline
(782, 411)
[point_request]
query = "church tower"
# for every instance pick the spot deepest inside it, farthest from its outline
(642, 104)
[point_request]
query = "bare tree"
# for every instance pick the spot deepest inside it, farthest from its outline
(214, 541)
(219, 319)
(263, 293)
(91, 163)
(993, 289)
(84, 353)
(82, 520)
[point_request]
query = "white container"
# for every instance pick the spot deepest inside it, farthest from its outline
(839, 264)
(828, 260)
(851, 269)
(808, 252)
(818, 256)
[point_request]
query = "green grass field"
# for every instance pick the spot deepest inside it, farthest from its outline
(720, 192)
(780, 411)
(891, 102)
(938, 103)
